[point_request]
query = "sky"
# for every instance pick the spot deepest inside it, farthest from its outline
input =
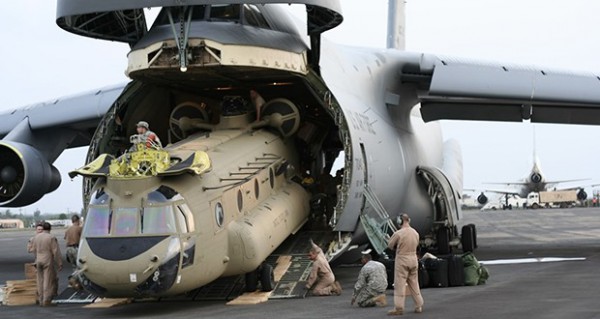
(39, 62)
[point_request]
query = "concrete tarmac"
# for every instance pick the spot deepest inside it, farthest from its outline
(567, 289)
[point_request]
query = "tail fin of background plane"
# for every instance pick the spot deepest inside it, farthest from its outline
(536, 160)
(396, 25)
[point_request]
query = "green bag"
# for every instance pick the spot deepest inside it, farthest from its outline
(484, 274)
(471, 275)
(469, 259)
(475, 274)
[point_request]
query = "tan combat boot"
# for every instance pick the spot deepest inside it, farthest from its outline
(395, 312)
(337, 288)
(380, 301)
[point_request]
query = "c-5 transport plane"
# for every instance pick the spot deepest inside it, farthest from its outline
(231, 183)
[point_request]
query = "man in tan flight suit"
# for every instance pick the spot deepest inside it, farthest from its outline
(47, 262)
(38, 229)
(405, 241)
(72, 237)
(321, 278)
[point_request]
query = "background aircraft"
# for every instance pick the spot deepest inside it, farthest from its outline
(535, 181)
(434, 75)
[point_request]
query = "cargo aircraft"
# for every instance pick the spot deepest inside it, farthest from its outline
(534, 181)
(253, 110)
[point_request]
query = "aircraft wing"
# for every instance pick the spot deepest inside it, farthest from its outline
(455, 89)
(508, 183)
(78, 113)
(575, 187)
(34, 136)
(497, 191)
(567, 181)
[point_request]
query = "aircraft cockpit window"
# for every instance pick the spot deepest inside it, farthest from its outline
(99, 197)
(166, 191)
(189, 217)
(97, 221)
(248, 14)
(229, 12)
(254, 17)
(182, 220)
(126, 221)
(158, 220)
(198, 13)
(157, 197)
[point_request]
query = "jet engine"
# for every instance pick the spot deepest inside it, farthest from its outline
(482, 199)
(536, 178)
(25, 175)
(581, 195)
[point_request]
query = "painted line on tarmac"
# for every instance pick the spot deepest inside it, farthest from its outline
(529, 260)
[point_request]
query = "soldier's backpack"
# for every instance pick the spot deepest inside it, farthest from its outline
(475, 274)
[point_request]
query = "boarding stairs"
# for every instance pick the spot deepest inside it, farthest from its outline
(376, 221)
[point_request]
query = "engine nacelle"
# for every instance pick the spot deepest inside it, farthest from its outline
(581, 195)
(482, 199)
(25, 175)
(536, 178)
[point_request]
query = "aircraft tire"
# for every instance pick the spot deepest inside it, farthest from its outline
(251, 281)
(443, 241)
(467, 239)
(474, 234)
(267, 278)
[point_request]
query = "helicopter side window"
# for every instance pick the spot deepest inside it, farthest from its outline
(126, 221)
(97, 222)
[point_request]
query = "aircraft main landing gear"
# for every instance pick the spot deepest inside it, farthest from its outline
(264, 275)
(267, 278)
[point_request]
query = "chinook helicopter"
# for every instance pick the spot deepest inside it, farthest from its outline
(231, 184)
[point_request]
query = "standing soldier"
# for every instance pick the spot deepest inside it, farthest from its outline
(72, 237)
(144, 135)
(369, 290)
(321, 279)
(38, 229)
(405, 241)
(47, 262)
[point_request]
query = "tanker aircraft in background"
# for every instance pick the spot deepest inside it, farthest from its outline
(227, 189)
(535, 181)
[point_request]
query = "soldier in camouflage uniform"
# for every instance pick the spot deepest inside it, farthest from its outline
(369, 290)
